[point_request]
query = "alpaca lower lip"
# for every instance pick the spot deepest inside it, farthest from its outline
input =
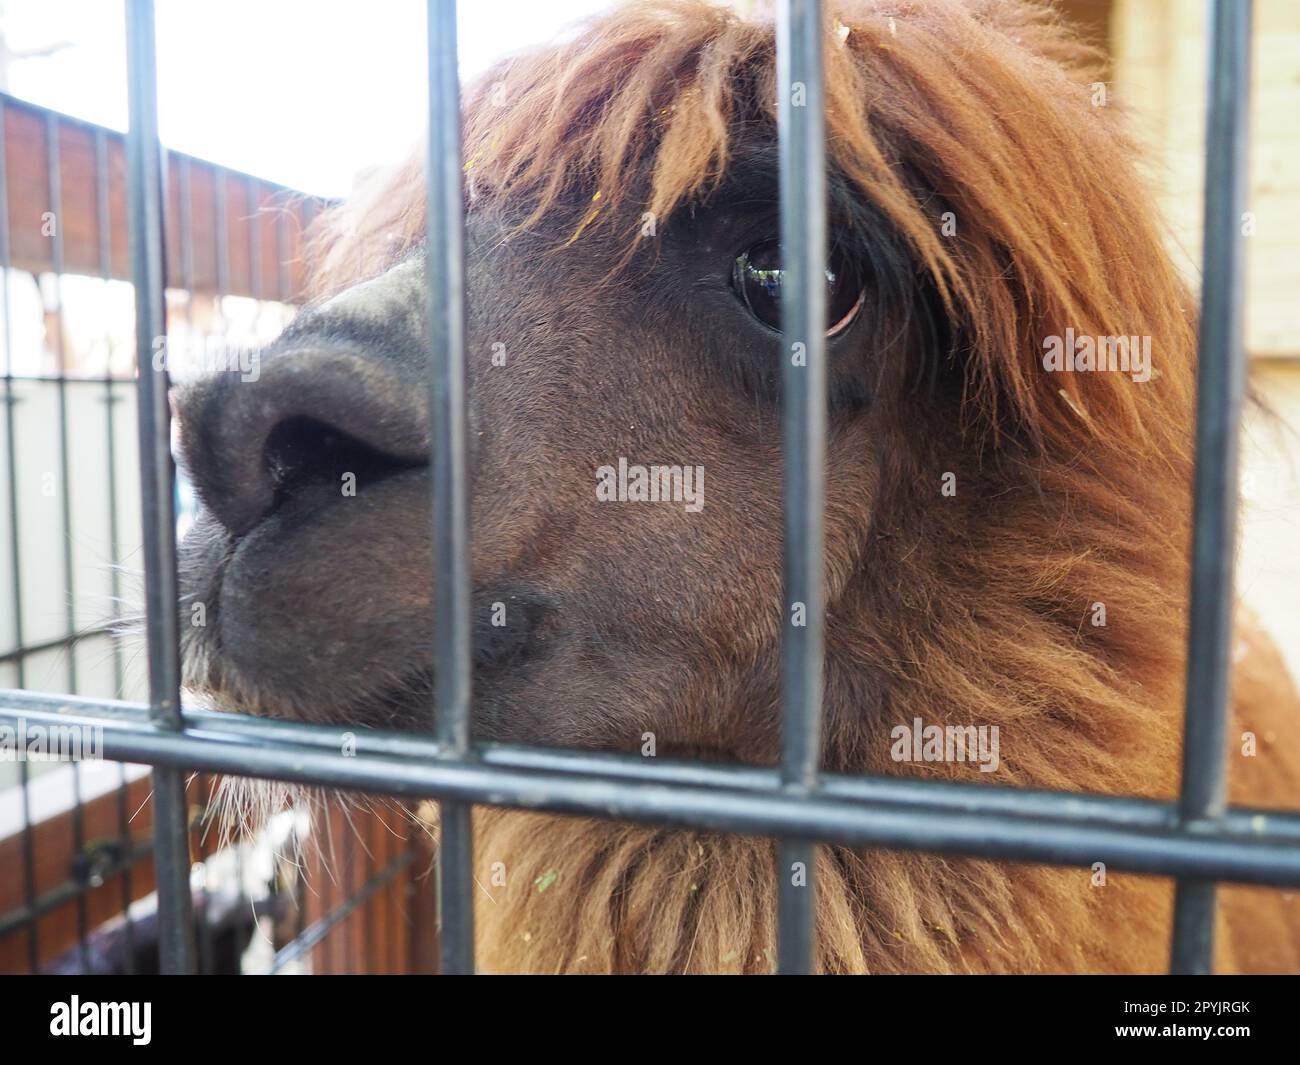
(406, 706)
(263, 615)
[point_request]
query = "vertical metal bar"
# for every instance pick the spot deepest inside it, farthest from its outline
(803, 309)
(347, 925)
(1221, 384)
(219, 207)
(157, 487)
(184, 171)
(15, 548)
(445, 246)
(369, 948)
(254, 240)
(203, 917)
(185, 200)
(392, 904)
(104, 233)
(299, 891)
(282, 252)
(55, 191)
(305, 216)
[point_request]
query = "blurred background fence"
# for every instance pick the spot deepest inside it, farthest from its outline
(76, 876)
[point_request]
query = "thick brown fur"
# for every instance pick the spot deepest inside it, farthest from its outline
(1074, 491)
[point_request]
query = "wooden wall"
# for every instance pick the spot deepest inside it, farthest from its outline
(256, 226)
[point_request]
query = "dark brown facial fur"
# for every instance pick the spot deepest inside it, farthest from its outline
(983, 203)
(620, 618)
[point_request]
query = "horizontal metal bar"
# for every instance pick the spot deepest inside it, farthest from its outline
(68, 379)
(57, 644)
(68, 890)
(1246, 846)
(975, 799)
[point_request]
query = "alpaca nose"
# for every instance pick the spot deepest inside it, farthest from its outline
(308, 415)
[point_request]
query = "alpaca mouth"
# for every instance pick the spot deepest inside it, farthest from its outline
(213, 681)
(268, 630)
(323, 612)
(308, 572)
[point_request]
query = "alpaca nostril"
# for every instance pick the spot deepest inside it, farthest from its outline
(311, 416)
(302, 451)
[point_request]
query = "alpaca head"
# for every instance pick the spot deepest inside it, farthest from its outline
(624, 413)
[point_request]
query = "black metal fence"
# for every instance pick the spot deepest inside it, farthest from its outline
(1199, 840)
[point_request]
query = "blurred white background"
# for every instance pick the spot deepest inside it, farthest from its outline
(301, 92)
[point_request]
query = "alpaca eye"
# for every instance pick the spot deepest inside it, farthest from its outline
(757, 277)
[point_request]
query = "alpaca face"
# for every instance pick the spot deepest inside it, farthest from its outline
(625, 453)
(624, 434)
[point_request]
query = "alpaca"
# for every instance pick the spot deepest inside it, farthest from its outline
(1006, 540)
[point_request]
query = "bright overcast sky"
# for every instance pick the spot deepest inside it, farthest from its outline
(302, 92)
